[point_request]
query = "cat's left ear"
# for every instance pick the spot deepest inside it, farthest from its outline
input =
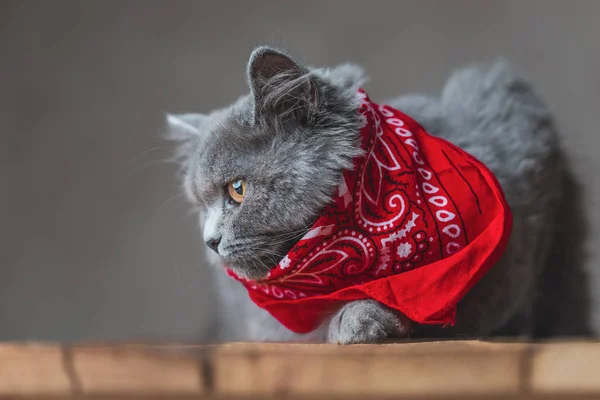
(185, 127)
(281, 86)
(186, 130)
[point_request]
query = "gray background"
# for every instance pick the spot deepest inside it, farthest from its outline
(92, 242)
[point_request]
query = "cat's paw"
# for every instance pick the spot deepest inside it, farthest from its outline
(366, 321)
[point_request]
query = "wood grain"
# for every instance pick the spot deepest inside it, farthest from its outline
(123, 369)
(566, 368)
(27, 369)
(444, 370)
(407, 369)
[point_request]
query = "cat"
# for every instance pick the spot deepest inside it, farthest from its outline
(293, 135)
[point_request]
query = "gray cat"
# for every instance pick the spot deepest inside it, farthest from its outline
(290, 139)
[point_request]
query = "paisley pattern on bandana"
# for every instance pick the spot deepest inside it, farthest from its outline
(414, 225)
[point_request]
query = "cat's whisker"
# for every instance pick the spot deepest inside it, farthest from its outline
(170, 199)
(261, 262)
(293, 233)
(268, 252)
(297, 231)
(285, 236)
(273, 263)
(194, 210)
(149, 151)
(277, 242)
(150, 163)
(252, 241)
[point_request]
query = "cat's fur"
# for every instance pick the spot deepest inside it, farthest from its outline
(295, 132)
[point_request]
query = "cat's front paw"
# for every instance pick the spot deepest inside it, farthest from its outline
(366, 321)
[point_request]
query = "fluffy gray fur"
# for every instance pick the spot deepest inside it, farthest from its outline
(297, 130)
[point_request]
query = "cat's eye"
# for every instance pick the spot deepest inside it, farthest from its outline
(237, 190)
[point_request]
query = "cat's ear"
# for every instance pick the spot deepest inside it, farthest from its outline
(281, 86)
(184, 127)
(186, 130)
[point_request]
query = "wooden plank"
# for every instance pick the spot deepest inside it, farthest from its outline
(136, 370)
(27, 369)
(566, 368)
(315, 397)
(424, 369)
(433, 370)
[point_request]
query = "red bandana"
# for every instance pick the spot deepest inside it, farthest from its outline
(414, 226)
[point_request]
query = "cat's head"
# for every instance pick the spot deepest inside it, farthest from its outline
(263, 169)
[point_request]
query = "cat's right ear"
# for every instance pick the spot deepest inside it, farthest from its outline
(185, 127)
(280, 86)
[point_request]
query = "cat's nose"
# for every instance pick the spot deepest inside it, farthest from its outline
(213, 243)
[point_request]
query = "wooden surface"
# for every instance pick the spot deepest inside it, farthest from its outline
(462, 369)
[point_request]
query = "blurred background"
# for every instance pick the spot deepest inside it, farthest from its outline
(95, 242)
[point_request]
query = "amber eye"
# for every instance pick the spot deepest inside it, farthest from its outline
(237, 190)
